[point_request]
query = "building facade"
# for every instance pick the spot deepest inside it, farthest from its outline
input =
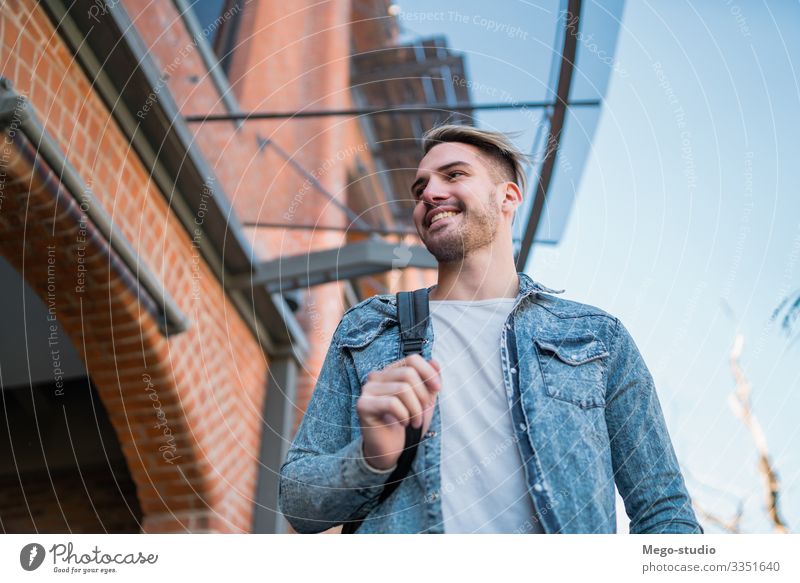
(151, 381)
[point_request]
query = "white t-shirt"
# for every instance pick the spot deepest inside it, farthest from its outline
(483, 481)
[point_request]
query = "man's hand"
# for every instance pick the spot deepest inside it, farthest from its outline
(404, 392)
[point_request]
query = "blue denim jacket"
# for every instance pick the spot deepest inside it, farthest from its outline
(585, 413)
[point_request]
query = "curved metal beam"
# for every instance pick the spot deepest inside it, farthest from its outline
(572, 21)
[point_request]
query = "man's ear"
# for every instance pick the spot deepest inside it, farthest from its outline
(512, 196)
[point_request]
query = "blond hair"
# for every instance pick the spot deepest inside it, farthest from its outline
(510, 161)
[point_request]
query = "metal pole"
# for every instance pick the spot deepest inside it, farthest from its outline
(279, 408)
(401, 109)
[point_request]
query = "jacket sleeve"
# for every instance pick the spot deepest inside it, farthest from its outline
(646, 469)
(325, 479)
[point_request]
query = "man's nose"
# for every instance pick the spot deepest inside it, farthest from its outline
(433, 193)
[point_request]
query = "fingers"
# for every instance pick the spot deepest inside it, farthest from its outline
(379, 407)
(410, 377)
(405, 389)
(429, 372)
(413, 402)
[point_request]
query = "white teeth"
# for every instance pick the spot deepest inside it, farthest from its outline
(443, 215)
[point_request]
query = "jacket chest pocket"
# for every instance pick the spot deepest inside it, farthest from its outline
(372, 349)
(574, 370)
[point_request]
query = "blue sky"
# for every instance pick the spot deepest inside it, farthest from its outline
(689, 201)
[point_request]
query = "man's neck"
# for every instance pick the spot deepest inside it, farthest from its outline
(487, 273)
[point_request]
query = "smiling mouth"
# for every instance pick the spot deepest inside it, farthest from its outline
(440, 216)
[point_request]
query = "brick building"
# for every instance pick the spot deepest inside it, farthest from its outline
(153, 368)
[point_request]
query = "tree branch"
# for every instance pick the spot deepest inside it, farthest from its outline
(740, 404)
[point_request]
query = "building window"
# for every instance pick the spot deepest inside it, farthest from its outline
(219, 23)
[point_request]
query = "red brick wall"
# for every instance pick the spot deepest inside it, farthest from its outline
(289, 56)
(210, 381)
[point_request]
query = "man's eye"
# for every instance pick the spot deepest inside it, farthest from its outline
(456, 173)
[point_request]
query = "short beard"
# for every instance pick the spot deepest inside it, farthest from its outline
(480, 232)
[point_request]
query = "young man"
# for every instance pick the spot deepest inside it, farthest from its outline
(532, 407)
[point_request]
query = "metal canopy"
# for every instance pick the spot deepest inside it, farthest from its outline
(401, 90)
(348, 262)
(571, 23)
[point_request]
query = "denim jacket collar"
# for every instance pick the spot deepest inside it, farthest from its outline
(527, 286)
(382, 313)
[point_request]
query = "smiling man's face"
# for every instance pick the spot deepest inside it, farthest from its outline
(457, 201)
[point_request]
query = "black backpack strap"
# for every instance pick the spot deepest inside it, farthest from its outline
(412, 311)
(413, 314)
